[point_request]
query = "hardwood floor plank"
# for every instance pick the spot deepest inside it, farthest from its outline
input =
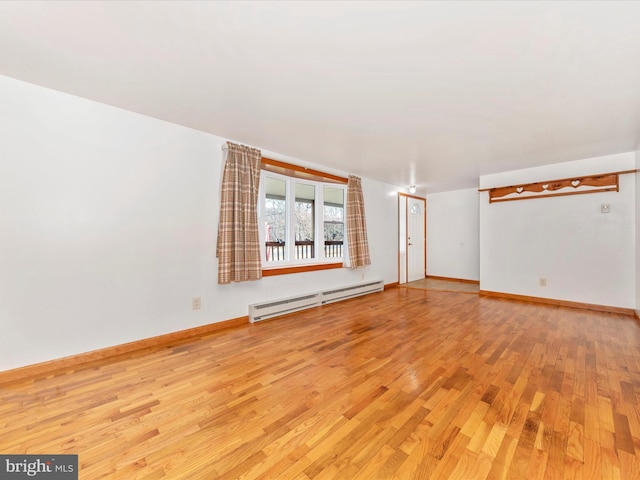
(502, 463)
(629, 465)
(402, 384)
(592, 460)
(623, 439)
(537, 464)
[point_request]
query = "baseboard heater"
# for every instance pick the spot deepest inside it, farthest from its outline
(263, 311)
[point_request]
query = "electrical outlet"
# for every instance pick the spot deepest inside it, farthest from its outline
(542, 282)
(605, 208)
(196, 303)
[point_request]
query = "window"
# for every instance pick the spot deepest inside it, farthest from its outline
(303, 220)
(333, 201)
(275, 218)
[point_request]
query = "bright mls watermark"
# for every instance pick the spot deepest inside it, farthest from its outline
(49, 467)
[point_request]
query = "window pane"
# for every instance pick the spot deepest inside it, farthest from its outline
(305, 220)
(333, 221)
(275, 218)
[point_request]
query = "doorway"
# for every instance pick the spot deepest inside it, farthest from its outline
(412, 230)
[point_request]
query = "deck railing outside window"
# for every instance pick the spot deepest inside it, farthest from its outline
(304, 249)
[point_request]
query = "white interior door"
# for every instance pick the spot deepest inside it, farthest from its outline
(416, 266)
(402, 238)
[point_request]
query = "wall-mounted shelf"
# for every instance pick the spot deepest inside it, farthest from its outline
(602, 182)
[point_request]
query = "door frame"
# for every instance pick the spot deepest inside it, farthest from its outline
(403, 202)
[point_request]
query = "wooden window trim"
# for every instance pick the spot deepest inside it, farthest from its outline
(272, 272)
(296, 171)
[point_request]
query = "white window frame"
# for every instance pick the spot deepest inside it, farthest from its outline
(318, 238)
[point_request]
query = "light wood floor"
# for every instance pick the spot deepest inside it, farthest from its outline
(443, 285)
(404, 384)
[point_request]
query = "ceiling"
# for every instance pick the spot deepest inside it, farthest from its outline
(427, 93)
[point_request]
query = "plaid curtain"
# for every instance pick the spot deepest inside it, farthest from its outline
(356, 225)
(238, 248)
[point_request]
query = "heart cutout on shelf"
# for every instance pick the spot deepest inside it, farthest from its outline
(575, 183)
(520, 189)
(545, 186)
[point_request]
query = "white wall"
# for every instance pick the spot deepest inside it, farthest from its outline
(108, 229)
(453, 234)
(585, 255)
